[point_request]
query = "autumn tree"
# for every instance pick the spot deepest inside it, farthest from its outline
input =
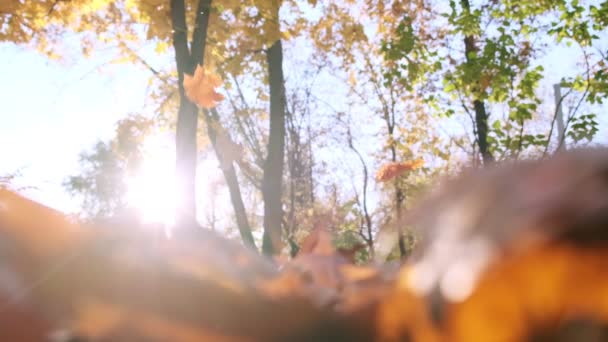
(187, 57)
(402, 69)
(399, 124)
(299, 194)
(113, 23)
(263, 38)
(101, 183)
(42, 24)
(491, 66)
(272, 189)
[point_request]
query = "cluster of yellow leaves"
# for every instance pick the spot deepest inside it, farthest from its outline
(392, 170)
(339, 32)
(200, 88)
(156, 14)
(44, 23)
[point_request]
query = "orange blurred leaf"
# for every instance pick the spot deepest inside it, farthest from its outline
(392, 170)
(38, 230)
(532, 293)
(200, 88)
(319, 242)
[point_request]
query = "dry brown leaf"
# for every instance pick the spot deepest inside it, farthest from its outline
(356, 273)
(39, 230)
(200, 88)
(403, 316)
(120, 287)
(392, 170)
(20, 322)
(161, 286)
(350, 252)
(228, 150)
(319, 242)
(102, 321)
(541, 288)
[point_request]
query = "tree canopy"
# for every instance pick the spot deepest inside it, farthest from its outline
(308, 131)
(337, 109)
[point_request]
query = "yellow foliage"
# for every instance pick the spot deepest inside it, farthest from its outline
(285, 35)
(8, 6)
(161, 47)
(352, 79)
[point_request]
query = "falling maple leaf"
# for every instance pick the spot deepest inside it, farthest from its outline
(200, 87)
(392, 170)
(228, 150)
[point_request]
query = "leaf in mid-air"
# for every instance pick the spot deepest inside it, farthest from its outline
(392, 170)
(200, 88)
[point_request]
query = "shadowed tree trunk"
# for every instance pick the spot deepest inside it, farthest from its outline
(298, 165)
(399, 197)
(481, 116)
(186, 59)
(389, 118)
(273, 166)
(368, 236)
(227, 166)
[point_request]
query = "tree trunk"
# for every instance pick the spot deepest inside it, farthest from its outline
(369, 238)
(481, 116)
(273, 166)
(399, 198)
(231, 180)
(186, 151)
(187, 116)
(481, 120)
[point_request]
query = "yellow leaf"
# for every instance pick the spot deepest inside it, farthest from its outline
(285, 35)
(352, 80)
(161, 47)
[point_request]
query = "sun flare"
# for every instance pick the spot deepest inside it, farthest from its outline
(153, 194)
(152, 190)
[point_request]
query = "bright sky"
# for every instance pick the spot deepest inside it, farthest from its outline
(51, 112)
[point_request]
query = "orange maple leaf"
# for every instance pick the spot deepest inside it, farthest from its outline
(200, 87)
(392, 170)
(536, 292)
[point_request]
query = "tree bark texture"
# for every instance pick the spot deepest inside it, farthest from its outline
(273, 165)
(212, 121)
(187, 117)
(481, 116)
